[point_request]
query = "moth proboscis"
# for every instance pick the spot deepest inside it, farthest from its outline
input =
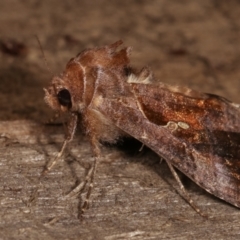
(197, 133)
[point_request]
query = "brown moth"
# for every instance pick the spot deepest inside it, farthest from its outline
(197, 133)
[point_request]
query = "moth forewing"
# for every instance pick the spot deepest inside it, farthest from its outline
(207, 150)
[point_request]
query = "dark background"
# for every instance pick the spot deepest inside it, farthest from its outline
(188, 42)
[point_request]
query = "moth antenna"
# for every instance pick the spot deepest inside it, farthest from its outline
(43, 55)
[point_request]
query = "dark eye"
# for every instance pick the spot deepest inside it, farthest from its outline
(64, 98)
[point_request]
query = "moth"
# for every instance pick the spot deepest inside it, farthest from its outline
(196, 133)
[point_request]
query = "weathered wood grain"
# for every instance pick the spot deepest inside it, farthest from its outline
(193, 43)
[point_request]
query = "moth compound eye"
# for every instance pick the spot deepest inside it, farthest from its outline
(64, 98)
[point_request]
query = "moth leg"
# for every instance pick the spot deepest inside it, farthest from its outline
(89, 179)
(72, 124)
(91, 175)
(71, 128)
(141, 148)
(81, 186)
(185, 195)
(90, 187)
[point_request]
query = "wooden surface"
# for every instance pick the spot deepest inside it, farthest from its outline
(193, 43)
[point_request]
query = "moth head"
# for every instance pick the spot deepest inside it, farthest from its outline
(74, 89)
(66, 91)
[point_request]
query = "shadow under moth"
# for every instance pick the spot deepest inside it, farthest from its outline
(197, 133)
